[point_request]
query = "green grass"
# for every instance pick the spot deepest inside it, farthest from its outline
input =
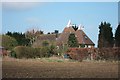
(60, 61)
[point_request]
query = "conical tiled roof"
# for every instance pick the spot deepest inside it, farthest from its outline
(80, 35)
(83, 38)
(63, 38)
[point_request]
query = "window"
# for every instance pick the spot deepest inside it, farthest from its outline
(89, 46)
(75, 35)
(85, 37)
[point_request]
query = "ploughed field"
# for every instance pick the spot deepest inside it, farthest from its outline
(39, 68)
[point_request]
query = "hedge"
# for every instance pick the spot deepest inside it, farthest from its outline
(94, 53)
(29, 52)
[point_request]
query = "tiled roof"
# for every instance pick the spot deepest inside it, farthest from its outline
(83, 38)
(63, 38)
(44, 37)
(80, 35)
(50, 37)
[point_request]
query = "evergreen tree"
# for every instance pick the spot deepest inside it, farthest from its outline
(105, 38)
(117, 36)
(72, 41)
(20, 38)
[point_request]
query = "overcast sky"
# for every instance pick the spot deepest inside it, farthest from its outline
(50, 16)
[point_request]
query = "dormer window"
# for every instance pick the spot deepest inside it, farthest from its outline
(85, 37)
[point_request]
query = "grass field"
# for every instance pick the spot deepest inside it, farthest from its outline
(53, 68)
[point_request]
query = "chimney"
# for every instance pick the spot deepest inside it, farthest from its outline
(56, 32)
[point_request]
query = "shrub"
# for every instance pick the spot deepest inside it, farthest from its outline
(94, 53)
(45, 52)
(52, 50)
(8, 42)
(109, 53)
(29, 52)
(13, 54)
(45, 43)
(22, 51)
(78, 53)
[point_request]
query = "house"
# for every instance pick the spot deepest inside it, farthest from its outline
(61, 39)
(50, 38)
(82, 38)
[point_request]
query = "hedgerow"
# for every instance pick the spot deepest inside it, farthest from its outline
(30, 52)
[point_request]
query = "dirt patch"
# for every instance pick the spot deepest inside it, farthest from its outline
(32, 68)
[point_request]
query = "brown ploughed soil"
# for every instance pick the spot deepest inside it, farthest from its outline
(37, 68)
